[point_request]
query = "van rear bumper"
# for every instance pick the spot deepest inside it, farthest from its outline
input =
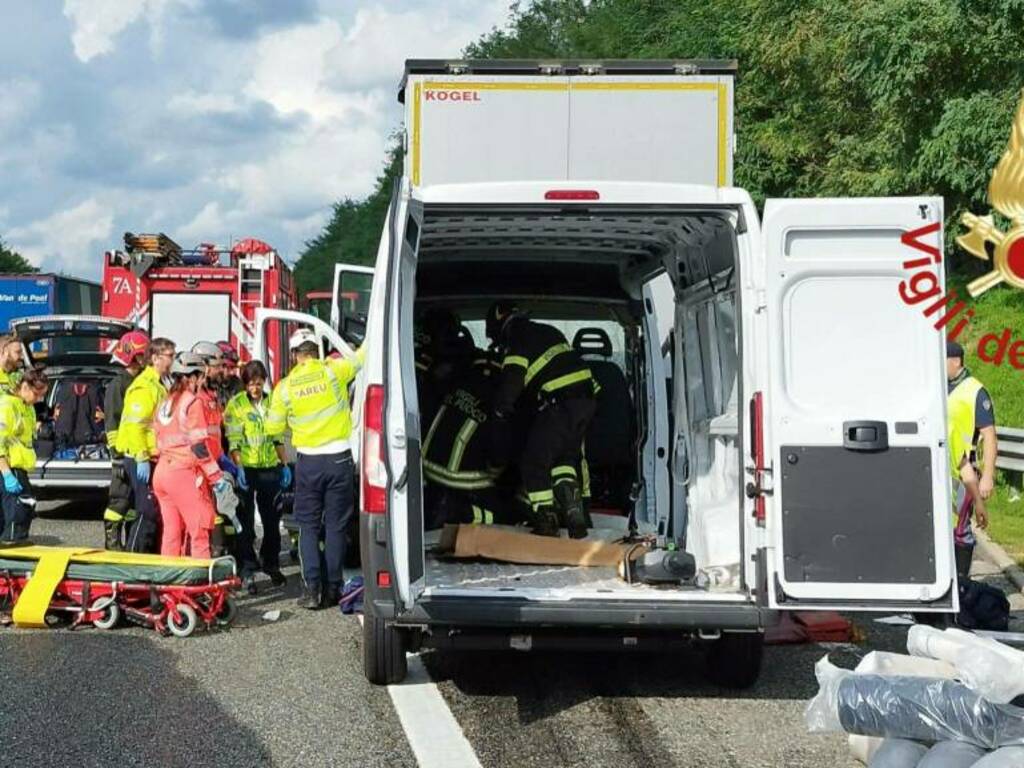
(517, 614)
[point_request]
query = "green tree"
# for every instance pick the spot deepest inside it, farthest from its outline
(12, 262)
(353, 232)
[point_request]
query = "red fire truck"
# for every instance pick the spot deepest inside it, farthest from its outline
(204, 294)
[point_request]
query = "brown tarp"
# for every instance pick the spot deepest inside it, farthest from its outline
(466, 541)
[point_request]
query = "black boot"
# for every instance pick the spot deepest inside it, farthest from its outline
(310, 597)
(277, 578)
(332, 596)
(544, 522)
(112, 536)
(570, 508)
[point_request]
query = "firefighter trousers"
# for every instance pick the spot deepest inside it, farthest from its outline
(143, 534)
(553, 447)
(186, 509)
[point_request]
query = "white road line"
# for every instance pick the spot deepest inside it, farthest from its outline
(430, 727)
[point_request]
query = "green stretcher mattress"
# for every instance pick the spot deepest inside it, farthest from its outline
(100, 565)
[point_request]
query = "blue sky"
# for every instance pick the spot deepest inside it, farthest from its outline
(205, 119)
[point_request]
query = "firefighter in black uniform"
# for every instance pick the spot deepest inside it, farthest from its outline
(463, 485)
(118, 516)
(543, 376)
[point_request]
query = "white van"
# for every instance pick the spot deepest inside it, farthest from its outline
(788, 431)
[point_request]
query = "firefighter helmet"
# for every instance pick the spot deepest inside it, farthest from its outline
(130, 346)
(497, 318)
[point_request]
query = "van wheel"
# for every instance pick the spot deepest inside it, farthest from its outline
(383, 650)
(734, 660)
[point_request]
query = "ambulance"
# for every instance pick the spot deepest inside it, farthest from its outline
(783, 411)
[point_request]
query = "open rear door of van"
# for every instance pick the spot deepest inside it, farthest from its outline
(401, 417)
(854, 406)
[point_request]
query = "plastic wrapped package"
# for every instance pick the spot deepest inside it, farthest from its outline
(863, 748)
(1007, 757)
(897, 753)
(952, 754)
(994, 670)
(921, 709)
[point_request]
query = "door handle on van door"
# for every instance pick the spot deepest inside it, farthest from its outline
(865, 435)
(398, 439)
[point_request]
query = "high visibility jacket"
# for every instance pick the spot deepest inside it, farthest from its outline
(17, 430)
(455, 448)
(135, 436)
(214, 420)
(113, 404)
(312, 401)
(245, 424)
(540, 364)
(9, 381)
(182, 435)
(960, 422)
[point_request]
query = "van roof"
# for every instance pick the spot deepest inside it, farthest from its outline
(549, 67)
(616, 192)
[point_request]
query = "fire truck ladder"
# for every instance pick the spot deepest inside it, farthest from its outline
(252, 274)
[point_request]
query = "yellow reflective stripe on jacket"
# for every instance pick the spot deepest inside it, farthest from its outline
(466, 481)
(960, 422)
(538, 365)
(312, 401)
(245, 427)
(567, 380)
(135, 435)
(461, 442)
(17, 430)
(515, 360)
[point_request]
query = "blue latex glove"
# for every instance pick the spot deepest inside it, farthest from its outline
(11, 484)
(227, 465)
(142, 471)
(243, 482)
(221, 486)
(286, 476)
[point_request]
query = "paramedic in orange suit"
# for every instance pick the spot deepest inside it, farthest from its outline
(187, 471)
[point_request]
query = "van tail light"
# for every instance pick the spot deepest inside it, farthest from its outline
(572, 194)
(756, 489)
(374, 473)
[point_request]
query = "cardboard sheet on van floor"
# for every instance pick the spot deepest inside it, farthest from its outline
(465, 541)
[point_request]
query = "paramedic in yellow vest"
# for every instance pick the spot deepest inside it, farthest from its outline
(262, 462)
(970, 418)
(12, 360)
(17, 456)
(136, 440)
(312, 402)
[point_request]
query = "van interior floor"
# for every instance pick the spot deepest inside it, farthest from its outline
(445, 572)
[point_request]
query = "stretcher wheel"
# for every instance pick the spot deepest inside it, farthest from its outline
(111, 615)
(228, 612)
(186, 621)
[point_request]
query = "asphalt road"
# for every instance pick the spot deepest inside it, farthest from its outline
(292, 693)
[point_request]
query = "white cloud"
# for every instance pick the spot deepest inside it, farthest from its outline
(68, 238)
(18, 97)
(97, 23)
(194, 102)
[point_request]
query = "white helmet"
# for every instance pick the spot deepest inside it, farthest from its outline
(208, 351)
(186, 363)
(302, 336)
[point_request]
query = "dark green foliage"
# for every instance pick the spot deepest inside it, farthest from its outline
(12, 262)
(865, 97)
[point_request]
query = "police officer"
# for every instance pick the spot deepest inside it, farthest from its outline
(130, 353)
(136, 440)
(312, 401)
(542, 374)
(970, 418)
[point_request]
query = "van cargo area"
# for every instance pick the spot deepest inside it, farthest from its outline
(590, 273)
